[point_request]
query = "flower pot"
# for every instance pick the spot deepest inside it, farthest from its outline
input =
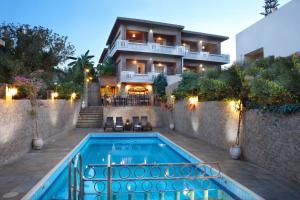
(37, 143)
(235, 152)
(172, 126)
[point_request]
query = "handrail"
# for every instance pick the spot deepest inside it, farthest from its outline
(75, 166)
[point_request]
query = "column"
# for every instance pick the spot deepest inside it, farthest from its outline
(150, 36)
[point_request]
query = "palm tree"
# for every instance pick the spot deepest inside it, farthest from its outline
(78, 65)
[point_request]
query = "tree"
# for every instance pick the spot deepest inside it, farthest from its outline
(160, 83)
(76, 71)
(28, 49)
(107, 68)
(270, 6)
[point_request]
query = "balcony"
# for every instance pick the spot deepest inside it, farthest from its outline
(125, 45)
(206, 56)
(133, 77)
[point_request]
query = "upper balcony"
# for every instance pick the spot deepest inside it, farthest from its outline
(125, 45)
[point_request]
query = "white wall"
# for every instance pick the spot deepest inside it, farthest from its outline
(278, 33)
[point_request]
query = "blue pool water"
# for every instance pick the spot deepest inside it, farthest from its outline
(134, 150)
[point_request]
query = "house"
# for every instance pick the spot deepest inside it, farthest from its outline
(143, 49)
(2, 43)
(276, 34)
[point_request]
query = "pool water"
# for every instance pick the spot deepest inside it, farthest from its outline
(131, 151)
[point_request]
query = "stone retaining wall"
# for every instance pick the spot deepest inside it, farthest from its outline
(157, 116)
(269, 140)
(16, 132)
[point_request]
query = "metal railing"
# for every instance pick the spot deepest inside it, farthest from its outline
(112, 180)
(75, 183)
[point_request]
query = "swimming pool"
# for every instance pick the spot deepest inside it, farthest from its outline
(142, 166)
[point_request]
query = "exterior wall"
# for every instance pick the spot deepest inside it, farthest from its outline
(157, 116)
(16, 125)
(273, 142)
(278, 33)
(150, 59)
(269, 140)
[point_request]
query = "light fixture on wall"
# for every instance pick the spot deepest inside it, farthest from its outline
(87, 70)
(10, 92)
(54, 95)
(134, 61)
(133, 35)
(151, 31)
(119, 85)
(203, 47)
(192, 103)
(73, 96)
(159, 38)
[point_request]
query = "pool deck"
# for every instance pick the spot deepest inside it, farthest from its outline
(18, 177)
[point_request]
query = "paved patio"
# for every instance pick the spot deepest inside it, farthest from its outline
(17, 178)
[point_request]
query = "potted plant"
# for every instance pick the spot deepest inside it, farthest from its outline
(32, 87)
(235, 149)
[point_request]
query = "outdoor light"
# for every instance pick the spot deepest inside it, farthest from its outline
(234, 105)
(90, 78)
(203, 69)
(151, 31)
(54, 95)
(200, 41)
(119, 85)
(159, 38)
(134, 61)
(87, 80)
(87, 70)
(183, 44)
(10, 92)
(203, 47)
(73, 96)
(133, 35)
(192, 103)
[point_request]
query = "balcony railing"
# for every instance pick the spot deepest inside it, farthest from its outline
(133, 77)
(206, 56)
(125, 45)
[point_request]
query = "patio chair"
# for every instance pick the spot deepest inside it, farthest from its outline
(136, 125)
(146, 126)
(109, 124)
(119, 124)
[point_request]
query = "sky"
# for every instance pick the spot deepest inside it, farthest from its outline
(87, 23)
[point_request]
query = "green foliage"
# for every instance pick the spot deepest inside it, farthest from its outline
(269, 7)
(159, 85)
(67, 88)
(270, 83)
(77, 66)
(28, 49)
(107, 68)
(210, 85)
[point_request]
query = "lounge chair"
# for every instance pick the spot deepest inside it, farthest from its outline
(146, 126)
(119, 124)
(109, 123)
(136, 125)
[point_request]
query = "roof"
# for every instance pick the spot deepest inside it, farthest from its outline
(205, 35)
(103, 54)
(149, 23)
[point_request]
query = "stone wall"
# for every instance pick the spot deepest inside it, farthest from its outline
(273, 142)
(157, 116)
(213, 122)
(16, 132)
(269, 140)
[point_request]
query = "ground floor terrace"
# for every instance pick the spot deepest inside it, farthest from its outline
(17, 178)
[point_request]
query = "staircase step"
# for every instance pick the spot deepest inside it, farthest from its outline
(90, 117)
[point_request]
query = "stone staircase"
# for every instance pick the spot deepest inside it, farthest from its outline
(90, 117)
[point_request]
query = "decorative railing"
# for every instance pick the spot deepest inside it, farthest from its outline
(133, 77)
(125, 45)
(112, 181)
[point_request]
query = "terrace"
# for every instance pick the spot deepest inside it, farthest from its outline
(27, 171)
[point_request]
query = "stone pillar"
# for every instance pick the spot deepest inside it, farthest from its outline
(178, 38)
(200, 42)
(149, 65)
(150, 36)
(123, 32)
